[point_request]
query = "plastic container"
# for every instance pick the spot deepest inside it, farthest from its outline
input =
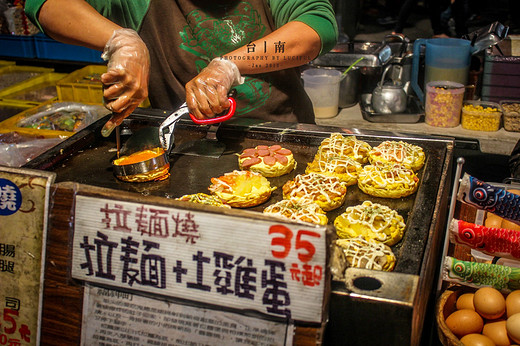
(481, 116)
(54, 119)
(83, 85)
(13, 74)
(12, 108)
(17, 46)
(36, 90)
(322, 86)
(511, 110)
(47, 48)
(445, 59)
(443, 103)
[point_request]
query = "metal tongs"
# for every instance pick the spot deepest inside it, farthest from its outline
(167, 127)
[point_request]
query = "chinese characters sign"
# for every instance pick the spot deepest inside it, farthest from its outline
(23, 227)
(114, 318)
(276, 269)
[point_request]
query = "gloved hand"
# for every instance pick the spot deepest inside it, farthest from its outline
(206, 94)
(126, 79)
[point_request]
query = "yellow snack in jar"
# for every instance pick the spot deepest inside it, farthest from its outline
(481, 118)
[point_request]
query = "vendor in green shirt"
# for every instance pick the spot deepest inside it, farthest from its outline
(197, 50)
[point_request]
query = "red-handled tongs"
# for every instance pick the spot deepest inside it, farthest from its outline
(166, 129)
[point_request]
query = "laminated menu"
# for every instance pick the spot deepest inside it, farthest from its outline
(490, 198)
(475, 274)
(499, 242)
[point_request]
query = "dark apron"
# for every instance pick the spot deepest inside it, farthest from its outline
(182, 39)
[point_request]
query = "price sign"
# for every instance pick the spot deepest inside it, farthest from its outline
(23, 227)
(274, 268)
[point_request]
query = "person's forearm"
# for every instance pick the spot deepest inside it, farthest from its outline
(293, 44)
(76, 22)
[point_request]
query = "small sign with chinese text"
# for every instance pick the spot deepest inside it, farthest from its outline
(24, 196)
(274, 268)
(114, 318)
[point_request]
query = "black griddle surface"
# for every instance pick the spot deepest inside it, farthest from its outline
(91, 165)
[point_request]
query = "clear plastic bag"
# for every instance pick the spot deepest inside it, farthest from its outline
(16, 150)
(63, 116)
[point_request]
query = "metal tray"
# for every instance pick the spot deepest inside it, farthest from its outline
(86, 158)
(414, 113)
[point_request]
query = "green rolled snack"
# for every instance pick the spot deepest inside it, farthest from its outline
(474, 274)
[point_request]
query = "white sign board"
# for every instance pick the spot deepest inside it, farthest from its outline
(116, 318)
(274, 268)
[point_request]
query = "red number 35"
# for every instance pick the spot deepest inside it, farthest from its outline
(305, 248)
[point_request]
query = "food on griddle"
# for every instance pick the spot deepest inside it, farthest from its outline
(388, 180)
(345, 168)
(157, 168)
(373, 221)
(298, 209)
(338, 145)
(203, 198)
(367, 254)
(326, 191)
(270, 161)
(406, 154)
(241, 189)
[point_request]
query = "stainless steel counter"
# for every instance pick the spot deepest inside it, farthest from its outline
(500, 142)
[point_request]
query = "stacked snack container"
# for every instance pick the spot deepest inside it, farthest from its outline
(481, 116)
(511, 111)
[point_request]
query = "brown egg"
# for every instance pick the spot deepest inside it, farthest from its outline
(513, 303)
(465, 301)
(477, 340)
(493, 221)
(510, 225)
(465, 321)
(489, 303)
(497, 332)
(515, 191)
(513, 327)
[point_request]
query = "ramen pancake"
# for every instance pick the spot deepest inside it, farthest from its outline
(373, 221)
(241, 189)
(326, 191)
(159, 170)
(270, 161)
(203, 198)
(387, 180)
(345, 168)
(367, 254)
(338, 145)
(298, 209)
(406, 154)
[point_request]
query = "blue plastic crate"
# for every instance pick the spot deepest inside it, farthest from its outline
(17, 46)
(47, 48)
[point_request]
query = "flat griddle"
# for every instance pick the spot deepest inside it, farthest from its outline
(395, 304)
(86, 158)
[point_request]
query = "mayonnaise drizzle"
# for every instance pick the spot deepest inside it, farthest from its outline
(314, 185)
(339, 145)
(361, 253)
(379, 218)
(300, 209)
(398, 151)
(380, 175)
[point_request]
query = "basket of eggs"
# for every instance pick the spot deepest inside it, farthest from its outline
(478, 317)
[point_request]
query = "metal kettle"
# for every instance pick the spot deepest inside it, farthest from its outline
(389, 98)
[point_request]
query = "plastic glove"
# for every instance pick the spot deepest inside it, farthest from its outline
(126, 79)
(206, 94)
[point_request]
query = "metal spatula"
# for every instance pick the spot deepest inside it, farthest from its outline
(208, 146)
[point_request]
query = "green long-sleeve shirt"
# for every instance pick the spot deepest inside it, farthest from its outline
(183, 35)
(318, 14)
